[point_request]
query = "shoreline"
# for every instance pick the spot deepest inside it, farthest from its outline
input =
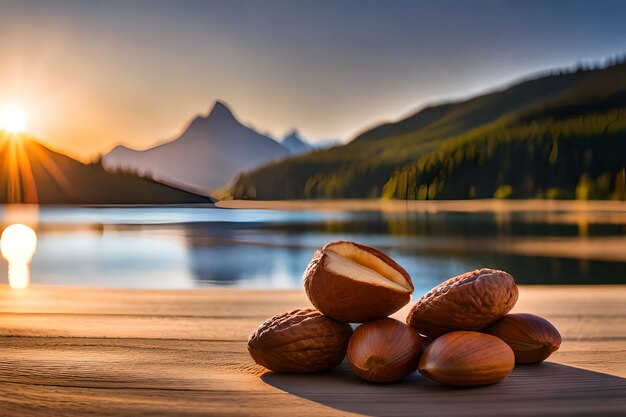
(432, 206)
(581, 214)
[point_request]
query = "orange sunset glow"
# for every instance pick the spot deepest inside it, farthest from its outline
(22, 157)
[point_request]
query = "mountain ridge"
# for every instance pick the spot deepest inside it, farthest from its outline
(363, 167)
(208, 153)
(295, 143)
(41, 175)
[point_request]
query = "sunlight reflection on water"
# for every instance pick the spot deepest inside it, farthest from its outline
(18, 244)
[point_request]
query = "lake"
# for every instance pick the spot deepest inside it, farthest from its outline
(192, 247)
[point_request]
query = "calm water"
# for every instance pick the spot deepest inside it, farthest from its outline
(204, 247)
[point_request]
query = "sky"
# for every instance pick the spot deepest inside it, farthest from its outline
(92, 74)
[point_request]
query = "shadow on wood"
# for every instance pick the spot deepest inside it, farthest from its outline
(539, 390)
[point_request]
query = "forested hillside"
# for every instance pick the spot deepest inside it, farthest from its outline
(33, 173)
(558, 136)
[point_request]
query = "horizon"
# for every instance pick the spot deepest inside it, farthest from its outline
(91, 76)
(585, 65)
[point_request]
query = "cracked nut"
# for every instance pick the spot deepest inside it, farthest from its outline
(354, 283)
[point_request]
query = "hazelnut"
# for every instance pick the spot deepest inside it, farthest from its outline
(531, 337)
(467, 302)
(299, 341)
(384, 350)
(353, 283)
(467, 358)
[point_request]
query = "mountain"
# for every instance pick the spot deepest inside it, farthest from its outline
(559, 135)
(295, 144)
(34, 174)
(207, 155)
(327, 143)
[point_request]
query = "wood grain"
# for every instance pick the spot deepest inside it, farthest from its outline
(76, 352)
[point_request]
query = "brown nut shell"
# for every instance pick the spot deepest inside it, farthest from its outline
(531, 337)
(467, 358)
(299, 341)
(353, 283)
(384, 350)
(469, 301)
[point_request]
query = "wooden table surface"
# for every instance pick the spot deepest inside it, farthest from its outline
(78, 352)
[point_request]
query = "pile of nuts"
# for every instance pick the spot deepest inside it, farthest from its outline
(458, 334)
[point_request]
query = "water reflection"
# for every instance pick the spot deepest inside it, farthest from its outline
(18, 245)
(162, 247)
(111, 256)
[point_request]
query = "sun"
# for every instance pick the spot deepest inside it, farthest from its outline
(13, 118)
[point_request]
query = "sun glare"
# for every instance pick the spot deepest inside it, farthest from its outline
(18, 244)
(13, 119)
